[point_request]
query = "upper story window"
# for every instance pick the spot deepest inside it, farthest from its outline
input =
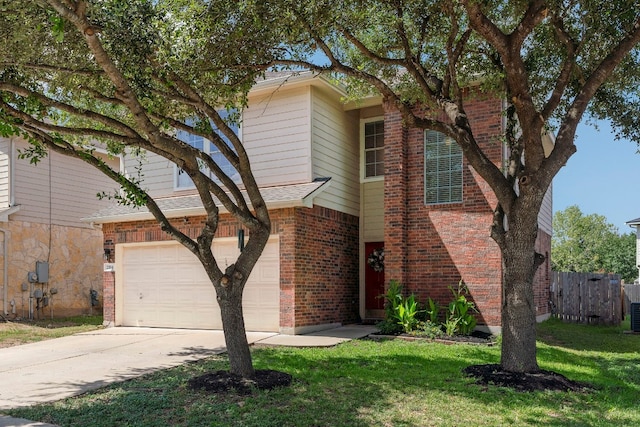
(442, 169)
(183, 181)
(373, 148)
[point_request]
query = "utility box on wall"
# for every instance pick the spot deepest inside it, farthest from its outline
(42, 271)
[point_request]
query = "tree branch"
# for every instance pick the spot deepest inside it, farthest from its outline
(62, 106)
(567, 68)
(68, 149)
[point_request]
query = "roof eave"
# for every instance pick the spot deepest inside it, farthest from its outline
(306, 201)
(295, 79)
(633, 222)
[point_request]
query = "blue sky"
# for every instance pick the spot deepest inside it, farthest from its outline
(600, 178)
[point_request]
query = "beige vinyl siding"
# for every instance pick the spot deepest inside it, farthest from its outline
(64, 199)
(276, 135)
(335, 153)
(157, 173)
(372, 216)
(371, 112)
(545, 217)
(5, 183)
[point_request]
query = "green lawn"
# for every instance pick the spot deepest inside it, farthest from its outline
(24, 332)
(390, 383)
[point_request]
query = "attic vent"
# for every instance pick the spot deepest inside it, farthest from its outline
(635, 316)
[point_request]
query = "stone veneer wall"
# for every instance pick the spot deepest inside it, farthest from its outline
(75, 267)
(318, 261)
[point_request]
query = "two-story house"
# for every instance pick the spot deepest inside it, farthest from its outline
(342, 181)
(50, 259)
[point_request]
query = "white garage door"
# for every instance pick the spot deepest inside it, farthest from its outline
(164, 285)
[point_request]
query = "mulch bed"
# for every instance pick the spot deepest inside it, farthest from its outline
(224, 381)
(477, 337)
(493, 374)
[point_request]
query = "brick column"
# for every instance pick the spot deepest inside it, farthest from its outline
(395, 196)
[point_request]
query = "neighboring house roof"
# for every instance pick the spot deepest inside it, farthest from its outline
(285, 196)
(634, 222)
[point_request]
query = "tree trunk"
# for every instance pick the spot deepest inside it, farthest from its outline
(235, 335)
(518, 305)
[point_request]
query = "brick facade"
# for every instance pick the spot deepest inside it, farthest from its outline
(431, 247)
(326, 267)
(318, 261)
(428, 248)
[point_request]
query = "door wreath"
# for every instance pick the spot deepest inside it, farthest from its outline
(376, 260)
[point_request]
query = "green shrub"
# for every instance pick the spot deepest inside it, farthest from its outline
(428, 329)
(406, 312)
(451, 326)
(433, 311)
(460, 319)
(392, 298)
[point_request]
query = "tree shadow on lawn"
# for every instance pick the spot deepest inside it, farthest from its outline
(379, 378)
(582, 337)
(617, 370)
(349, 385)
(383, 379)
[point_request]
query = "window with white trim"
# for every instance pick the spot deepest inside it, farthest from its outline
(372, 148)
(183, 181)
(442, 169)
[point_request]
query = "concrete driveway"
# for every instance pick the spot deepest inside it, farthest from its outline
(51, 370)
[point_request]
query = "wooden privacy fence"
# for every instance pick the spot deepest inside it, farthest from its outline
(631, 294)
(586, 298)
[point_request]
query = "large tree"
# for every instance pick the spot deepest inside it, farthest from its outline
(128, 77)
(589, 244)
(550, 61)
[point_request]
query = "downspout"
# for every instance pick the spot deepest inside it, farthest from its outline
(5, 273)
(6, 234)
(12, 173)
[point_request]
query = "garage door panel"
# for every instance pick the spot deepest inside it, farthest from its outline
(176, 291)
(195, 296)
(268, 273)
(141, 254)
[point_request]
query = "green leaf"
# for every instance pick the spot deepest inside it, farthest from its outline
(58, 28)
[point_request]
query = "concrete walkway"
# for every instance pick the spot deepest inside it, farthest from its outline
(52, 370)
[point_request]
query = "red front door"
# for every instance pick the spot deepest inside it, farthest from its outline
(374, 280)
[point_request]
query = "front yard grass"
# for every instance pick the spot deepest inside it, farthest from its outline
(388, 383)
(24, 332)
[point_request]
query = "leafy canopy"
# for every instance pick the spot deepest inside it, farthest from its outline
(589, 244)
